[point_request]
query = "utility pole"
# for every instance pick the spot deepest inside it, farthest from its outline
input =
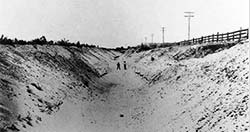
(189, 15)
(145, 40)
(163, 30)
(152, 38)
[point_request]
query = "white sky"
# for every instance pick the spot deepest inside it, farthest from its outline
(113, 23)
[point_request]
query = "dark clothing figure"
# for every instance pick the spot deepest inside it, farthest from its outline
(118, 66)
(125, 65)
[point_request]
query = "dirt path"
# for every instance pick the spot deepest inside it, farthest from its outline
(115, 113)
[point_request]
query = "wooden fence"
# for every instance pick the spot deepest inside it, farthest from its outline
(230, 36)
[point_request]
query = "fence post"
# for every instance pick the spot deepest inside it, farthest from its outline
(233, 36)
(221, 38)
(240, 35)
(217, 37)
(213, 38)
(247, 33)
(227, 36)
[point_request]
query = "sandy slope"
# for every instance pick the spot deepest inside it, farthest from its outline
(205, 94)
(37, 81)
(164, 94)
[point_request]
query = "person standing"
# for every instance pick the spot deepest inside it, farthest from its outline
(118, 66)
(125, 65)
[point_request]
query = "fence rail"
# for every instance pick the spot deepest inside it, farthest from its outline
(238, 35)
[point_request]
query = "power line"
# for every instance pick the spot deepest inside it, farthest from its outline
(189, 15)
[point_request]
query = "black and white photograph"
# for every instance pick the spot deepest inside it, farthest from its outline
(124, 66)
